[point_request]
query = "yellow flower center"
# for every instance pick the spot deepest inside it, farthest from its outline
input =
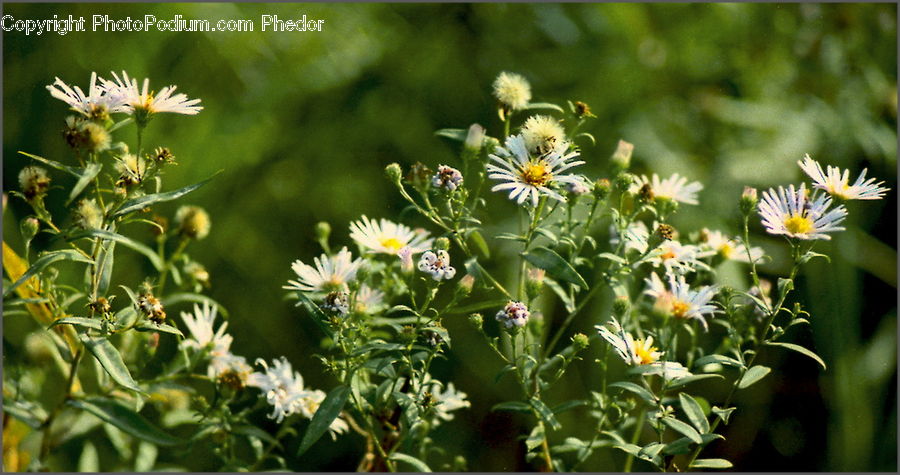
(680, 309)
(644, 353)
(726, 250)
(335, 284)
(393, 244)
(536, 174)
(669, 254)
(798, 224)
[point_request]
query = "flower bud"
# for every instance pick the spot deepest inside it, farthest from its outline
(163, 155)
(323, 231)
(464, 285)
(534, 283)
(29, 228)
(749, 199)
(475, 138)
(580, 341)
(476, 320)
(419, 176)
(602, 187)
(621, 306)
(621, 158)
(34, 181)
(394, 173)
(442, 243)
(192, 222)
(624, 180)
(583, 110)
(406, 261)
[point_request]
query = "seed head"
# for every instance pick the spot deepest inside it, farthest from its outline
(34, 181)
(88, 214)
(192, 222)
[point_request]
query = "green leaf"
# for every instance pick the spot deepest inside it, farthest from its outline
(513, 406)
(26, 411)
(585, 134)
(89, 461)
(723, 414)
(694, 412)
(640, 391)
(125, 419)
(555, 265)
(809, 255)
(545, 413)
(142, 202)
(126, 241)
(677, 383)
(711, 463)
(478, 242)
(720, 359)
(105, 259)
(683, 445)
(84, 179)
(482, 305)
(563, 407)
(561, 293)
(318, 316)
(612, 257)
(59, 166)
(145, 458)
(80, 321)
(753, 375)
(535, 438)
(544, 105)
(108, 357)
(147, 326)
(330, 408)
(799, 349)
(454, 134)
(45, 260)
(411, 461)
(785, 286)
(683, 428)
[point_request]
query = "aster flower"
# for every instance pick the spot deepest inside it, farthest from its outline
(143, 103)
(716, 242)
(387, 237)
(679, 300)
(95, 101)
(203, 336)
(793, 213)
(542, 134)
(675, 188)
(447, 178)
(677, 257)
(514, 314)
(230, 369)
(369, 300)
(529, 177)
(406, 261)
(330, 273)
(446, 399)
(437, 263)
(837, 184)
(512, 90)
(640, 352)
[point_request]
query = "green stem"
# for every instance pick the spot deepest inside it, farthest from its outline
(638, 428)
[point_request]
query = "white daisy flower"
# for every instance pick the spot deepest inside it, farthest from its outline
(512, 90)
(388, 237)
(528, 178)
(837, 184)
(96, 98)
(437, 263)
(580, 187)
(675, 188)
(677, 257)
(640, 352)
(446, 398)
(542, 134)
(678, 300)
(202, 336)
(282, 387)
(143, 101)
(369, 300)
(232, 366)
(716, 242)
(514, 314)
(330, 273)
(793, 213)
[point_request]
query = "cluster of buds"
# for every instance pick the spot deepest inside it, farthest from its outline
(437, 263)
(447, 178)
(337, 302)
(515, 314)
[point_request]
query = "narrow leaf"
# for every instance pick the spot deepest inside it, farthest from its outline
(801, 350)
(642, 392)
(555, 265)
(694, 412)
(147, 326)
(108, 357)
(410, 460)
(478, 242)
(125, 419)
(52, 163)
(513, 406)
(711, 463)
(42, 262)
(142, 202)
(545, 413)
(535, 438)
(84, 179)
(330, 408)
(720, 359)
(80, 321)
(753, 375)
(455, 134)
(126, 241)
(544, 105)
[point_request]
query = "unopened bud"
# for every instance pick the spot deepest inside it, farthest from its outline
(192, 222)
(476, 320)
(580, 341)
(534, 283)
(419, 176)
(621, 306)
(442, 243)
(29, 228)
(621, 158)
(602, 187)
(475, 138)
(465, 284)
(749, 199)
(323, 231)
(623, 181)
(394, 173)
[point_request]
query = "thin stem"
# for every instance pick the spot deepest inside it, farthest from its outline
(638, 428)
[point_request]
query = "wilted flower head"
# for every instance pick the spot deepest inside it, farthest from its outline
(542, 134)
(527, 178)
(192, 222)
(152, 307)
(437, 263)
(387, 237)
(33, 181)
(132, 169)
(444, 399)
(162, 155)
(88, 214)
(447, 178)
(512, 90)
(792, 213)
(675, 188)
(330, 273)
(514, 314)
(837, 184)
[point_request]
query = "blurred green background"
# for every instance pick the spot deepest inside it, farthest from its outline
(303, 124)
